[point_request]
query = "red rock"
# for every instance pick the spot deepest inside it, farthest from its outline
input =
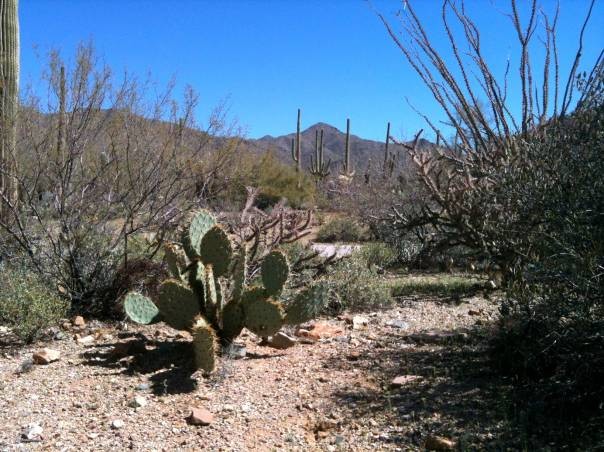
(321, 330)
(200, 416)
(46, 356)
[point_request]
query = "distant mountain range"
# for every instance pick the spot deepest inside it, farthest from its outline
(334, 141)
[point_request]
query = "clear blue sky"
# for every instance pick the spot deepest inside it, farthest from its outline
(269, 57)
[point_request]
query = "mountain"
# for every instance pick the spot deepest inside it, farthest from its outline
(334, 142)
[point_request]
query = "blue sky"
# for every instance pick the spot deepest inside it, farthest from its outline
(331, 58)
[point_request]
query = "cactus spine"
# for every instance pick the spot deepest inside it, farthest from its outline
(208, 295)
(318, 167)
(9, 98)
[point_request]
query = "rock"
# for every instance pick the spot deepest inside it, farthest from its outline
(200, 416)
(439, 443)
(402, 380)
(46, 356)
(359, 321)
(116, 424)
(32, 432)
(86, 340)
(474, 312)
(138, 402)
(400, 324)
(143, 387)
(281, 341)
(321, 330)
(78, 321)
(354, 356)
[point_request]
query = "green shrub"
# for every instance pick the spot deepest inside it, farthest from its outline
(442, 285)
(378, 255)
(342, 229)
(357, 288)
(27, 305)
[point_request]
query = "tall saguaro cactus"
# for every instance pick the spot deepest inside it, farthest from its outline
(346, 166)
(296, 145)
(318, 167)
(9, 97)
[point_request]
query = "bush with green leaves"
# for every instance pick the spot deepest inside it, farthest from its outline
(356, 287)
(378, 255)
(27, 304)
(342, 229)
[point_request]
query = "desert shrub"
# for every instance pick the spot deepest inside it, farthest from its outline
(356, 287)
(342, 229)
(378, 255)
(27, 304)
(442, 285)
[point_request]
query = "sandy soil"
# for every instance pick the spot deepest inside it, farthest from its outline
(333, 394)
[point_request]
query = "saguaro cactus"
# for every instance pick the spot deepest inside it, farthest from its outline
(208, 294)
(9, 98)
(346, 165)
(296, 145)
(318, 167)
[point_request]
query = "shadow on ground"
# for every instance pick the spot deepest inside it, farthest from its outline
(451, 392)
(170, 363)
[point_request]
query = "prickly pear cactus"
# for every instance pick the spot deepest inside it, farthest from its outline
(208, 295)
(140, 308)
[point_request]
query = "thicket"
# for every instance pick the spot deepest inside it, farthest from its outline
(521, 192)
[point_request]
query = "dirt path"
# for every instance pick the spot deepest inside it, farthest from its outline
(335, 394)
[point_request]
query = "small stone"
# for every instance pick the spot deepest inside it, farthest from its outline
(359, 321)
(143, 387)
(32, 432)
(138, 402)
(402, 380)
(116, 424)
(78, 321)
(282, 341)
(354, 356)
(228, 408)
(46, 356)
(438, 443)
(200, 416)
(86, 340)
(400, 324)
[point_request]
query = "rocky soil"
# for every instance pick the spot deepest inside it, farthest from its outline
(403, 379)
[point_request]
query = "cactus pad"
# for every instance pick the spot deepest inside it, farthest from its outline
(233, 320)
(178, 304)
(204, 345)
(176, 259)
(307, 304)
(216, 250)
(264, 317)
(275, 271)
(196, 224)
(196, 278)
(238, 272)
(140, 309)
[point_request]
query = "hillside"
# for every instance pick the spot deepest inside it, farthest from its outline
(334, 142)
